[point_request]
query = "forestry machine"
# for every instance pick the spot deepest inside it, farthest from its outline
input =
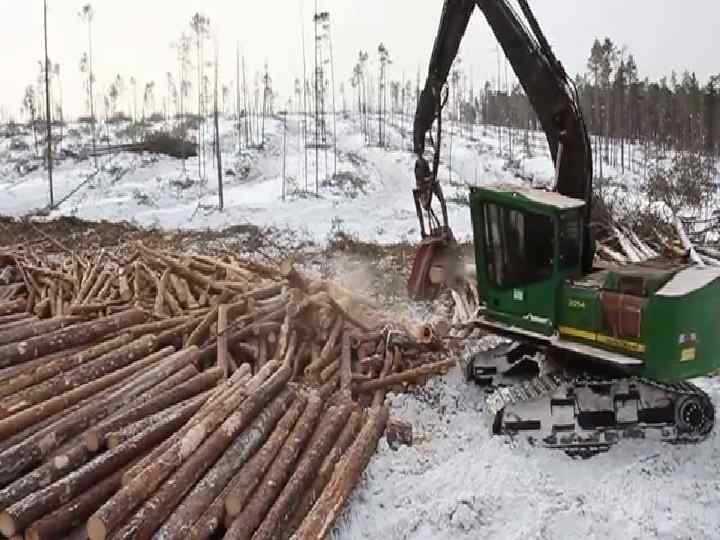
(591, 355)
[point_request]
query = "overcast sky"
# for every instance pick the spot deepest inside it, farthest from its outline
(133, 37)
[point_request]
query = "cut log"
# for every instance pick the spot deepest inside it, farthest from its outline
(19, 421)
(327, 355)
(49, 369)
(346, 475)
(29, 447)
(84, 374)
(346, 368)
(156, 327)
(238, 378)
(686, 243)
(15, 306)
(214, 482)
(34, 329)
(44, 501)
(46, 474)
(262, 499)
(74, 513)
(66, 338)
(307, 500)
(222, 340)
(379, 395)
(201, 331)
(329, 388)
(307, 467)
(155, 510)
(139, 489)
(330, 371)
(252, 472)
(96, 437)
(405, 377)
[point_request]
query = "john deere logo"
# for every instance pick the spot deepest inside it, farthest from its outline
(576, 304)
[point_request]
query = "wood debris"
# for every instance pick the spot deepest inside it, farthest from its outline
(152, 394)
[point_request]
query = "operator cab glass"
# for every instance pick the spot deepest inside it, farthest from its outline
(519, 246)
(570, 254)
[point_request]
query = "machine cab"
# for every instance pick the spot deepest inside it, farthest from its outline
(527, 242)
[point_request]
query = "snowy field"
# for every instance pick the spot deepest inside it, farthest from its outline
(459, 483)
(371, 197)
(456, 481)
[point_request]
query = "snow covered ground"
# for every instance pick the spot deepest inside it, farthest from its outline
(371, 198)
(457, 482)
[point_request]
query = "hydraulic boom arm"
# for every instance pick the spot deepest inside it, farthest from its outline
(550, 91)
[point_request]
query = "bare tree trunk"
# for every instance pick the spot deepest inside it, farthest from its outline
(48, 116)
(218, 153)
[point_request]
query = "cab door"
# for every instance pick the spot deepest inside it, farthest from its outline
(518, 265)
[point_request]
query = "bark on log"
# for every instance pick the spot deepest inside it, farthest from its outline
(175, 336)
(346, 368)
(222, 340)
(16, 319)
(96, 437)
(44, 475)
(66, 338)
(44, 501)
(51, 368)
(74, 513)
(346, 475)
(85, 374)
(276, 477)
(330, 371)
(146, 521)
(170, 300)
(405, 376)
(201, 331)
(178, 525)
(252, 472)
(379, 395)
(42, 438)
(327, 355)
(326, 434)
(18, 422)
(116, 438)
(218, 395)
(24, 450)
(156, 327)
(328, 389)
(34, 329)
(159, 260)
(306, 502)
(15, 306)
(139, 489)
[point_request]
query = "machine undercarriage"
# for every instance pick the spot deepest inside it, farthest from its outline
(555, 404)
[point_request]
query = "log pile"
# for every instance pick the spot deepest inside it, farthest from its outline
(149, 394)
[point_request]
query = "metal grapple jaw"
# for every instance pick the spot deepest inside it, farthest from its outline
(436, 259)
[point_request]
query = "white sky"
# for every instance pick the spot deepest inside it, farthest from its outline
(133, 37)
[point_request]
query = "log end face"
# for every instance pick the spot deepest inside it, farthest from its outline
(7, 525)
(92, 441)
(96, 529)
(233, 507)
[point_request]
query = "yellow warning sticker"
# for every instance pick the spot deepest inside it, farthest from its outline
(687, 355)
(609, 341)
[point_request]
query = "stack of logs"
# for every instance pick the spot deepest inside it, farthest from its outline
(150, 394)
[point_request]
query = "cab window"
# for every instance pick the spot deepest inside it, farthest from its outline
(519, 244)
(570, 241)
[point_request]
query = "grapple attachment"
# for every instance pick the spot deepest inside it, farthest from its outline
(435, 264)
